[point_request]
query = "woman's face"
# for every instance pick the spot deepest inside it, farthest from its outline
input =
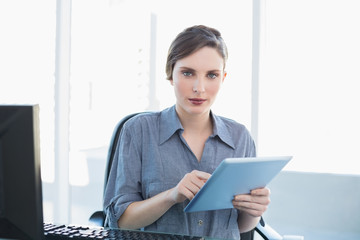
(197, 79)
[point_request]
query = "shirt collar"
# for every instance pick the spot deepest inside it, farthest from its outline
(221, 130)
(170, 123)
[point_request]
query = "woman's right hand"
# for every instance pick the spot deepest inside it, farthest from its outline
(143, 213)
(189, 185)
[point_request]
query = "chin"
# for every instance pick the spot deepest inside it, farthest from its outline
(195, 109)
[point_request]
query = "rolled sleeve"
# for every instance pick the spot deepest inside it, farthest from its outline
(124, 184)
(117, 207)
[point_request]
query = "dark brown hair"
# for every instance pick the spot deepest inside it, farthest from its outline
(192, 39)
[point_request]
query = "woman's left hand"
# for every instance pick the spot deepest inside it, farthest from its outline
(255, 203)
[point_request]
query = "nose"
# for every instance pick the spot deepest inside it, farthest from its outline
(199, 85)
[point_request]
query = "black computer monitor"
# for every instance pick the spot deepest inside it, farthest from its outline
(21, 215)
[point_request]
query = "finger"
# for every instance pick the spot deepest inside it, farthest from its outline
(260, 199)
(202, 175)
(260, 191)
(250, 208)
(250, 205)
(188, 193)
(194, 187)
(192, 183)
(198, 178)
(250, 211)
(197, 182)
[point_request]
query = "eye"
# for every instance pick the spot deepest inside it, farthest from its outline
(213, 75)
(187, 73)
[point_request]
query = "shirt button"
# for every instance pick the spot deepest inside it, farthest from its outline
(200, 222)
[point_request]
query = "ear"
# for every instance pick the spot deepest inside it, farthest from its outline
(171, 82)
(225, 74)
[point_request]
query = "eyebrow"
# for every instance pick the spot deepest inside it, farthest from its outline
(186, 68)
(191, 69)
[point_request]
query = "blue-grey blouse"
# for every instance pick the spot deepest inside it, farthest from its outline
(152, 157)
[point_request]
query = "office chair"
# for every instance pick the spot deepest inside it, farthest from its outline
(98, 217)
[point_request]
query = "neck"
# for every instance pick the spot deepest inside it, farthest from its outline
(195, 122)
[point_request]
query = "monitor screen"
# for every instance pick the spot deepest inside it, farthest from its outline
(20, 181)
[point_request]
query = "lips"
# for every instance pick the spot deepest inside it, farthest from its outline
(197, 101)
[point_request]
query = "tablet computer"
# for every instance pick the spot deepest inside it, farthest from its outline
(235, 176)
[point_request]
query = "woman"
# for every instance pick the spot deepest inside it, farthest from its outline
(164, 158)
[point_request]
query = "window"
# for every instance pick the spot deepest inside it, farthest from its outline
(27, 62)
(309, 84)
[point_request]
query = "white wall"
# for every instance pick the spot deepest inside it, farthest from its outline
(316, 206)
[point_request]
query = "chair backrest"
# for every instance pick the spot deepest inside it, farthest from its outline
(113, 144)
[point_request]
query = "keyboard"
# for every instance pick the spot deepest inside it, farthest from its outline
(63, 232)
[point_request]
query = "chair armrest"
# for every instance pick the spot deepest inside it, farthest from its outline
(266, 231)
(97, 219)
(247, 235)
